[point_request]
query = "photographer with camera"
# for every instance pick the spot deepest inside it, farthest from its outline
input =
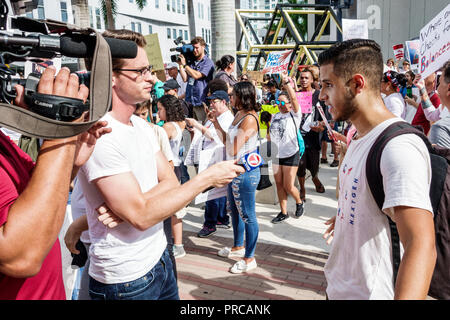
(33, 200)
(197, 71)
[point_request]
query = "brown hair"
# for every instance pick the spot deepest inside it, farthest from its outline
(198, 40)
(124, 34)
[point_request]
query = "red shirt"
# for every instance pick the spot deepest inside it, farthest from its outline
(420, 119)
(48, 284)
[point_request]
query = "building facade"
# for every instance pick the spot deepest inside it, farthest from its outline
(170, 19)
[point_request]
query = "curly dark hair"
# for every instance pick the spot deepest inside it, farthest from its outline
(245, 96)
(174, 110)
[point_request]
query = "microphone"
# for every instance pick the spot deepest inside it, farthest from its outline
(75, 46)
(82, 46)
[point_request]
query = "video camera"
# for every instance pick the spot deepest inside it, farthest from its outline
(187, 50)
(38, 41)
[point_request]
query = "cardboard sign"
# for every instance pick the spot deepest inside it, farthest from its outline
(153, 50)
(355, 29)
(305, 101)
(256, 75)
(399, 52)
(277, 62)
(435, 43)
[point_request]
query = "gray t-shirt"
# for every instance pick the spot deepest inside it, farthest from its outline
(440, 132)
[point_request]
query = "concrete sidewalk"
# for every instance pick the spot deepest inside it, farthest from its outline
(290, 255)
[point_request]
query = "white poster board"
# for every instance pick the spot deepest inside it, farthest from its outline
(355, 29)
(209, 157)
(277, 62)
(435, 43)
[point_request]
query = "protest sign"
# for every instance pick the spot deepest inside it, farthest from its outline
(399, 52)
(35, 67)
(412, 53)
(355, 29)
(304, 99)
(153, 50)
(435, 43)
(277, 62)
(258, 76)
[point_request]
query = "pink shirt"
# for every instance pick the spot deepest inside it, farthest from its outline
(15, 172)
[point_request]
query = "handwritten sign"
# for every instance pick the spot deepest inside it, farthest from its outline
(277, 62)
(435, 43)
(355, 29)
(304, 99)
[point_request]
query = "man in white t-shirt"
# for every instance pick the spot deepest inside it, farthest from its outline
(128, 172)
(360, 261)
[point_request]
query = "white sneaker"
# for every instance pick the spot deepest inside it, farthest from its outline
(178, 251)
(241, 266)
(227, 253)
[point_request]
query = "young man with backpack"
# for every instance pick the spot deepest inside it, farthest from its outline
(360, 265)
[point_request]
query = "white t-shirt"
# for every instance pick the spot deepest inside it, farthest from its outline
(283, 132)
(123, 253)
(225, 120)
(360, 263)
(410, 110)
(249, 146)
(396, 104)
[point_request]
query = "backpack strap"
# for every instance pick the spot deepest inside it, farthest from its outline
(375, 178)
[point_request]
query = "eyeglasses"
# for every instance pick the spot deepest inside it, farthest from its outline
(143, 71)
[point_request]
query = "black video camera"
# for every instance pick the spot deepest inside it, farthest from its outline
(187, 50)
(38, 41)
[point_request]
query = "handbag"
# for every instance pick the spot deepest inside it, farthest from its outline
(301, 142)
(264, 181)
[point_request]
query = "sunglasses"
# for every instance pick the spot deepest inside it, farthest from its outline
(280, 103)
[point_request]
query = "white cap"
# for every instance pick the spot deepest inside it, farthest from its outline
(171, 65)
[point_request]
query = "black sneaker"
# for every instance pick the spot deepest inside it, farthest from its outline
(322, 160)
(206, 232)
(334, 164)
(299, 210)
(280, 218)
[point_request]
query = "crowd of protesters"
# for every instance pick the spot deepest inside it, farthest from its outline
(133, 187)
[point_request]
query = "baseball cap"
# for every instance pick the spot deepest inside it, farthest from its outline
(171, 65)
(219, 94)
(170, 84)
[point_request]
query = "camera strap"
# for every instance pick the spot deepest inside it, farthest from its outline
(32, 124)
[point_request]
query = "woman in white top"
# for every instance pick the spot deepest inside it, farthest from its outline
(283, 132)
(242, 138)
(390, 86)
(171, 111)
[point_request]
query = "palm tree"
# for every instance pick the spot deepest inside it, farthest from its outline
(108, 7)
(109, 10)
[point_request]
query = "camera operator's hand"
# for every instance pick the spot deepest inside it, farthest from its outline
(64, 84)
(181, 60)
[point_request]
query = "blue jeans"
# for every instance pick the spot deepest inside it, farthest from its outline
(158, 284)
(216, 211)
(241, 206)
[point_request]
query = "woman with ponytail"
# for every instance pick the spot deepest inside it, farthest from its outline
(225, 67)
